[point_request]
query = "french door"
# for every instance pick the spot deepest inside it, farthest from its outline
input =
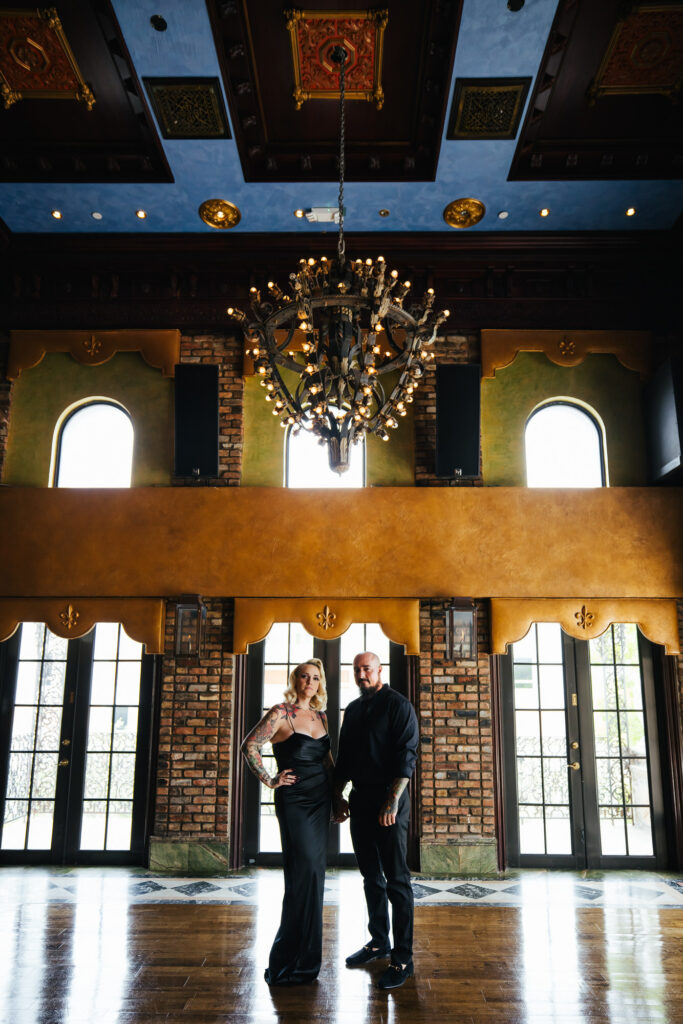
(582, 776)
(268, 666)
(75, 731)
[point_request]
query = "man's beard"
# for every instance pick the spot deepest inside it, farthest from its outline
(365, 694)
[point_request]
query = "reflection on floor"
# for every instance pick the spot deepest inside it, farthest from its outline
(120, 946)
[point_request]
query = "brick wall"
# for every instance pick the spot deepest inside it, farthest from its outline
(5, 397)
(193, 767)
(452, 348)
(225, 350)
(457, 801)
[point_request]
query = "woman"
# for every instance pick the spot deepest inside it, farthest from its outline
(297, 730)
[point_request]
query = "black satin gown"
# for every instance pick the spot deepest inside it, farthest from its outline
(303, 813)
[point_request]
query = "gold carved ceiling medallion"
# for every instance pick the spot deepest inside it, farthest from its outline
(464, 213)
(219, 213)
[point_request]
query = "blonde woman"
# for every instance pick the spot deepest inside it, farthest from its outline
(297, 730)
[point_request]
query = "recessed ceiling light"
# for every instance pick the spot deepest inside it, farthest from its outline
(96, 215)
(631, 212)
(384, 212)
(545, 212)
(141, 214)
(503, 215)
(299, 214)
(57, 214)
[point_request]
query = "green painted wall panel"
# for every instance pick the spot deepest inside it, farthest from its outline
(600, 382)
(389, 463)
(40, 396)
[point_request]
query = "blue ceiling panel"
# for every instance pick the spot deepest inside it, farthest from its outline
(492, 42)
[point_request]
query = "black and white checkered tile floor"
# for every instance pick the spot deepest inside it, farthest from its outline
(26, 885)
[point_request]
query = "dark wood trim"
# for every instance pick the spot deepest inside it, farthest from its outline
(671, 751)
(498, 763)
(574, 280)
(413, 695)
(239, 705)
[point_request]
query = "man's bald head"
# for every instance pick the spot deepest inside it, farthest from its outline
(367, 671)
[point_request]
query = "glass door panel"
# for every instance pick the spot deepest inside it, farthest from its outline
(34, 750)
(268, 666)
(580, 744)
(286, 646)
(75, 732)
(622, 769)
(112, 736)
(543, 805)
(359, 637)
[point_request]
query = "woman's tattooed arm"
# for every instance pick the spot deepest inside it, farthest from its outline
(252, 744)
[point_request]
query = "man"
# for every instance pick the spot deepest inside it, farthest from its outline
(377, 752)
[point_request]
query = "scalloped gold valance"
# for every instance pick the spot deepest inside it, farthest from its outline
(73, 617)
(327, 618)
(160, 349)
(565, 348)
(583, 618)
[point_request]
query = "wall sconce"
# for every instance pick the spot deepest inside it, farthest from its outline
(461, 630)
(190, 620)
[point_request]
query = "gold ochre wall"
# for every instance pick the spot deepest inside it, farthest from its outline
(389, 542)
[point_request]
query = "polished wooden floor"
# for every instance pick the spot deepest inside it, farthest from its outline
(113, 963)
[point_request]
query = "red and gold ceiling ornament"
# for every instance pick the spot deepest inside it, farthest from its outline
(36, 61)
(644, 55)
(314, 36)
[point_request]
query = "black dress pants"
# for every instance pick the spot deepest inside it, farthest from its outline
(381, 855)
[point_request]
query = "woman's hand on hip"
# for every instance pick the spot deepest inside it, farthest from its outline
(284, 778)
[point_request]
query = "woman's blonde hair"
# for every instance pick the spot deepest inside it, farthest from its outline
(319, 701)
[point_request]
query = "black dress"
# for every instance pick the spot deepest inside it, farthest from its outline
(303, 813)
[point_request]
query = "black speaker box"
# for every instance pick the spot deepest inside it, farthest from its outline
(196, 420)
(458, 404)
(663, 396)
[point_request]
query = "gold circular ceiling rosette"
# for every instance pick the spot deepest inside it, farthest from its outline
(219, 213)
(464, 213)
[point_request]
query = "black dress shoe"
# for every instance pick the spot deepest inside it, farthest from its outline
(395, 975)
(366, 954)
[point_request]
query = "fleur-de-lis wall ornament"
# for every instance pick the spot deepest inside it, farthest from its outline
(326, 618)
(91, 345)
(70, 617)
(584, 618)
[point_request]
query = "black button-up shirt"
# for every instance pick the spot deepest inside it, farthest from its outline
(378, 742)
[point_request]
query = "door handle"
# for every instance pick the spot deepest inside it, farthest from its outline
(62, 764)
(574, 765)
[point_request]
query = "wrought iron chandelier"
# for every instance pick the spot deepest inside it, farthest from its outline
(320, 352)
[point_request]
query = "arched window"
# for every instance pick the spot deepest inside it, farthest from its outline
(94, 447)
(307, 464)
(564, 445)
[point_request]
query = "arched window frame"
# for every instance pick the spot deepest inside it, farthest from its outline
(62, 422)
(592, 415)
(289, 432)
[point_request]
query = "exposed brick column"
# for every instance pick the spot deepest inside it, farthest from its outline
(5, 400)
(193, 768)
(225, 350)
(457, 794)
(452, 348)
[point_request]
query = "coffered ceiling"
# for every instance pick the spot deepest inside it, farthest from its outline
(570, 108)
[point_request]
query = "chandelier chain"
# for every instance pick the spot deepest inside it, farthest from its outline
(341, 245)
